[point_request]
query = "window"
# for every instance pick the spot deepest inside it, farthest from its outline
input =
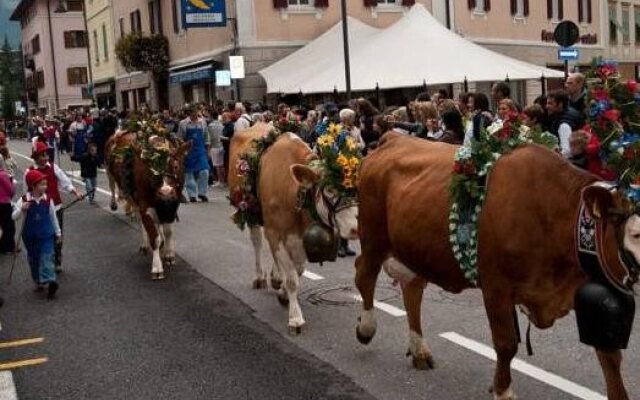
(584, 11)
(306, 3)
(96, 49)
(520, 8)
(636, 14)
(77, 75)
(121, 25)
(155, 17)
(136, 21)
(555, 10)
(479, 6)
(625, 25)
(75, 39)
(39, 79)
(105, 42)
(74, 5)
(35, 44)
(388, 2)
(613, 23)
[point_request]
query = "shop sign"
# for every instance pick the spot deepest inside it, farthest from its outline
(203, 13)
(223, 78)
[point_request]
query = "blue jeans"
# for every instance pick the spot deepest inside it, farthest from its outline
(42, 269)
(89, 186)
(196, 183)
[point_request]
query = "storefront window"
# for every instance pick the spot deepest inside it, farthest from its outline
(613, 24)
(625, 25)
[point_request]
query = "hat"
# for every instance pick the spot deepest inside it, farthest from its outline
(40, 148)
(33, 177)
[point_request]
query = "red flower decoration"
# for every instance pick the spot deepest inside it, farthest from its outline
(612, 115)
(600, 94)
(629, 153)
(632, 85)
(457, 167)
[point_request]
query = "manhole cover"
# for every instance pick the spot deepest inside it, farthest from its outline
(344, 295)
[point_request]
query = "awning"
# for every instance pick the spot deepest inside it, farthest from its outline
(192, 75)
(415, 50)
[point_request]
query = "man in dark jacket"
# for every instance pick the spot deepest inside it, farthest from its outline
(576, 91)
(564, 119)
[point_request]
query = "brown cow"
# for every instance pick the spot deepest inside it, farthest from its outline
(156, 203)
(283, 171)
(526, 241)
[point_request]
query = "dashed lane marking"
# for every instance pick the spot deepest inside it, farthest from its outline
(7, 386)
(22, 363)
(21, 342)
(388, 308)
(534, 372)
(312, 276)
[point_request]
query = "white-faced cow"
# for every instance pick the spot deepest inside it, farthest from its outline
(283, 172)
(155, 199)
(527, 241)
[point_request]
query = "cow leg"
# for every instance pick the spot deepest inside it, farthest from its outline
(610, 362)
(169, 247)
(419, 351)
(503, 333)
(157, 271)
(145, 246)
(112, 187)
(366, 277)
(255, 233)
(291, 286)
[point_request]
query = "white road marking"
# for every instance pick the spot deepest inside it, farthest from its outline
(312, 276)
(7, 386)
(388, 308)
(534, 372)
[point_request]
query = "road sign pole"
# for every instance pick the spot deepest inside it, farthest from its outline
(566, 70)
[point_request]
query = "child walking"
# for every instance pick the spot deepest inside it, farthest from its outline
(89, 170)
(41, 231)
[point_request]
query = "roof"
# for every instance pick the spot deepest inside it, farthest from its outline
(415, 50)
(20, 9)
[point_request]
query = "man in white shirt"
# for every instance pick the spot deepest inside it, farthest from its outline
(243, 120)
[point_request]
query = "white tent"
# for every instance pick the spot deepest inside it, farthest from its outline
(414, 50)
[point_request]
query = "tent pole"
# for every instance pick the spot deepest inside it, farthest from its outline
(466, 85)
(378, 94)
(345, 39)
(543, 84)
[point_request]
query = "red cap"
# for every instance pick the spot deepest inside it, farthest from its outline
(40, 148)
(33, 177)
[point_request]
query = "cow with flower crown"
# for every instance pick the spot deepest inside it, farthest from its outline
(302, 200)
(517, 221)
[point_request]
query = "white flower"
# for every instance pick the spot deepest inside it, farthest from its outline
(452, 227)
(495, 127)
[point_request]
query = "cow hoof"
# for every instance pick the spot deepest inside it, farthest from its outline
(506, 395)
(283, 300)
(157, 276)
(295, 330)
(169, 261)
(423, 363)
(259, 283)
(276, 283)
(362, 338)
(113, 206)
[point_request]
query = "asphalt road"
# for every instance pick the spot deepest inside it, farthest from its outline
(208, 242)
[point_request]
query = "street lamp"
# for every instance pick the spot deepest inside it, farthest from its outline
(61, 9)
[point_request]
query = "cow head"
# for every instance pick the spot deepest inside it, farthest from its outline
(338, 212)
(615, 210)
(167, 196)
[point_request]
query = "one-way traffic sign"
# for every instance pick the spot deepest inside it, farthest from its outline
(568, 53)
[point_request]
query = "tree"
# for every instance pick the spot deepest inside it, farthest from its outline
(10, 79)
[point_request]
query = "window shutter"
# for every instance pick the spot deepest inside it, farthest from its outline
(560, 10)
(408, 3)
(589, 15)
(280, 3)
(580, 12)
(322, 3)
(471, 4)
(514, 7)
(549, 9)
(487, 5)
(370, 3)
(526, 8)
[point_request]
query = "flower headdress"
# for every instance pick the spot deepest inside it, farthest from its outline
(614, 114)
(340, 156)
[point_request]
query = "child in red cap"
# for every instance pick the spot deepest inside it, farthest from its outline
(40, 232)
(56, 179)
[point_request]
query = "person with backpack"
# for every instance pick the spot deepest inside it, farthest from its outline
(243, 120)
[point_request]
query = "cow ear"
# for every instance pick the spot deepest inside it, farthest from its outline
(304, 175)
(598, 201)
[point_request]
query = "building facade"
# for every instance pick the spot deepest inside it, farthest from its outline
(101, 33)
(54, 48)
(136, 89)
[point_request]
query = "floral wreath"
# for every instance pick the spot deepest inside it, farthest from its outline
(614, 116)
(471, 168)
(340, 158)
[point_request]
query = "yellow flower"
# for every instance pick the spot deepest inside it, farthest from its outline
(347, 183)
(325, 140)
(350, 143)
(342, 160)
(347, 170)
(334, 129)
(354, 162)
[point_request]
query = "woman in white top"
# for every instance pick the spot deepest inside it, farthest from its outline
(348, 120)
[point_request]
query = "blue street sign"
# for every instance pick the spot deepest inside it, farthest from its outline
(568, 53)
(203, 13)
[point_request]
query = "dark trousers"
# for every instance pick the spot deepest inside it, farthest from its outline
(8, 226)
(58, 246)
